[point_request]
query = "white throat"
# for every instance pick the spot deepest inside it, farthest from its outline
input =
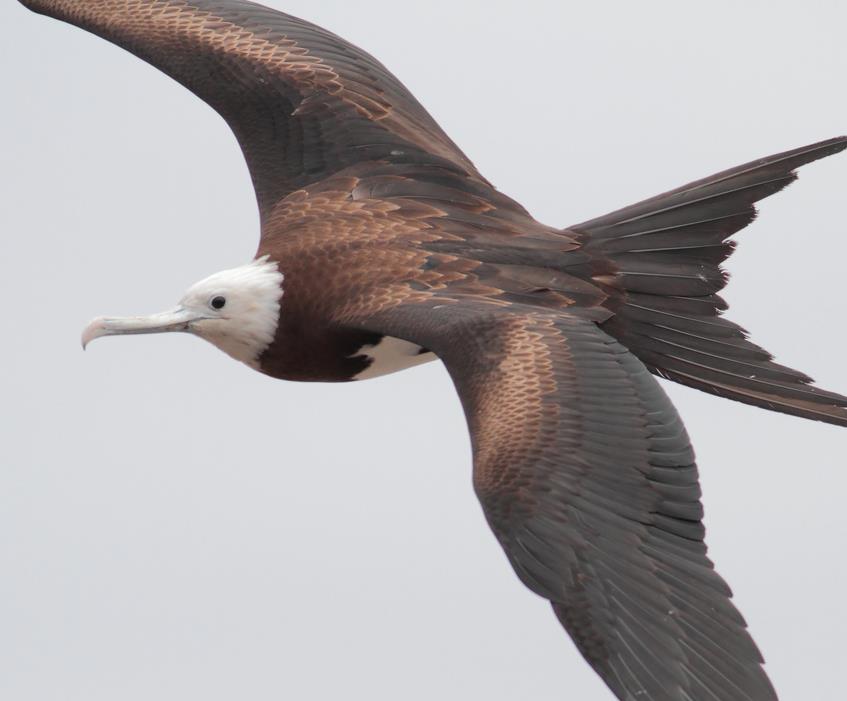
(247, 325)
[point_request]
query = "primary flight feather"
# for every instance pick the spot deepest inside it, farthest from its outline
(383, 247)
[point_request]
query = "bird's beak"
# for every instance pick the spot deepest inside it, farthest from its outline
(178, 319)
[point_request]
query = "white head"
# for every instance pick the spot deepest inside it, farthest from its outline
(237, 310)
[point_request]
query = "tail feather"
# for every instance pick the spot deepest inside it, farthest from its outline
(666, 254)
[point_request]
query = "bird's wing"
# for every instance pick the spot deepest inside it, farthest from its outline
(587, 478)
(303, 103)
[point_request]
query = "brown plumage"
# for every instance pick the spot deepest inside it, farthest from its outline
(383, 228)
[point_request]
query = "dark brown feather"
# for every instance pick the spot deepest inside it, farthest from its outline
(667, 253)
(587, 477)
(303, 103)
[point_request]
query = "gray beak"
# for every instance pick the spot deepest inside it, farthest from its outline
(178, 319)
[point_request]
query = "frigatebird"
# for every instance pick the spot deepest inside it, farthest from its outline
(383, 247)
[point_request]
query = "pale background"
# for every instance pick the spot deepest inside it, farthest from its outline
(175, 526)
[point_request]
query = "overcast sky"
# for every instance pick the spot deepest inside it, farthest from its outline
(176, 526)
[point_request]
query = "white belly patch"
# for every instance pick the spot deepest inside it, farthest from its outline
(390, 355)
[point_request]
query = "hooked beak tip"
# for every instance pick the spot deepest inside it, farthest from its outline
(94, 330)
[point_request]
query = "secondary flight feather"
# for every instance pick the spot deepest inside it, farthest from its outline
(382, 247)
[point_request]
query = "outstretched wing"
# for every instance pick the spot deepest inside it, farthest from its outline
(587, 478)
(303, 103)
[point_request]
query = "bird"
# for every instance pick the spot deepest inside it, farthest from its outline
(383, 247)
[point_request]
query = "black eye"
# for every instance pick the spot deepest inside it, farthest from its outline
(218, 302)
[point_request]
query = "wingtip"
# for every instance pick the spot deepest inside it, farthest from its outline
(799, 157)
(834, 145)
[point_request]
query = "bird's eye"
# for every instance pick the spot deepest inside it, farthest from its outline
(218, 302)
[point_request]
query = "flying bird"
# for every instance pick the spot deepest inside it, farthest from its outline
(382, 247)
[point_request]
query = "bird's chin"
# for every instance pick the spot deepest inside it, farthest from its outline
(179, 319)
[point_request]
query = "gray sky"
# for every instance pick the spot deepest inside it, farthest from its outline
(176, 526)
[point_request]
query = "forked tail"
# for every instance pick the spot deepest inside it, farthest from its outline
(667, 252)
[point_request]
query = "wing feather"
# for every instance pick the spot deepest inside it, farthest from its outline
(587, 477)
(303, 103)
